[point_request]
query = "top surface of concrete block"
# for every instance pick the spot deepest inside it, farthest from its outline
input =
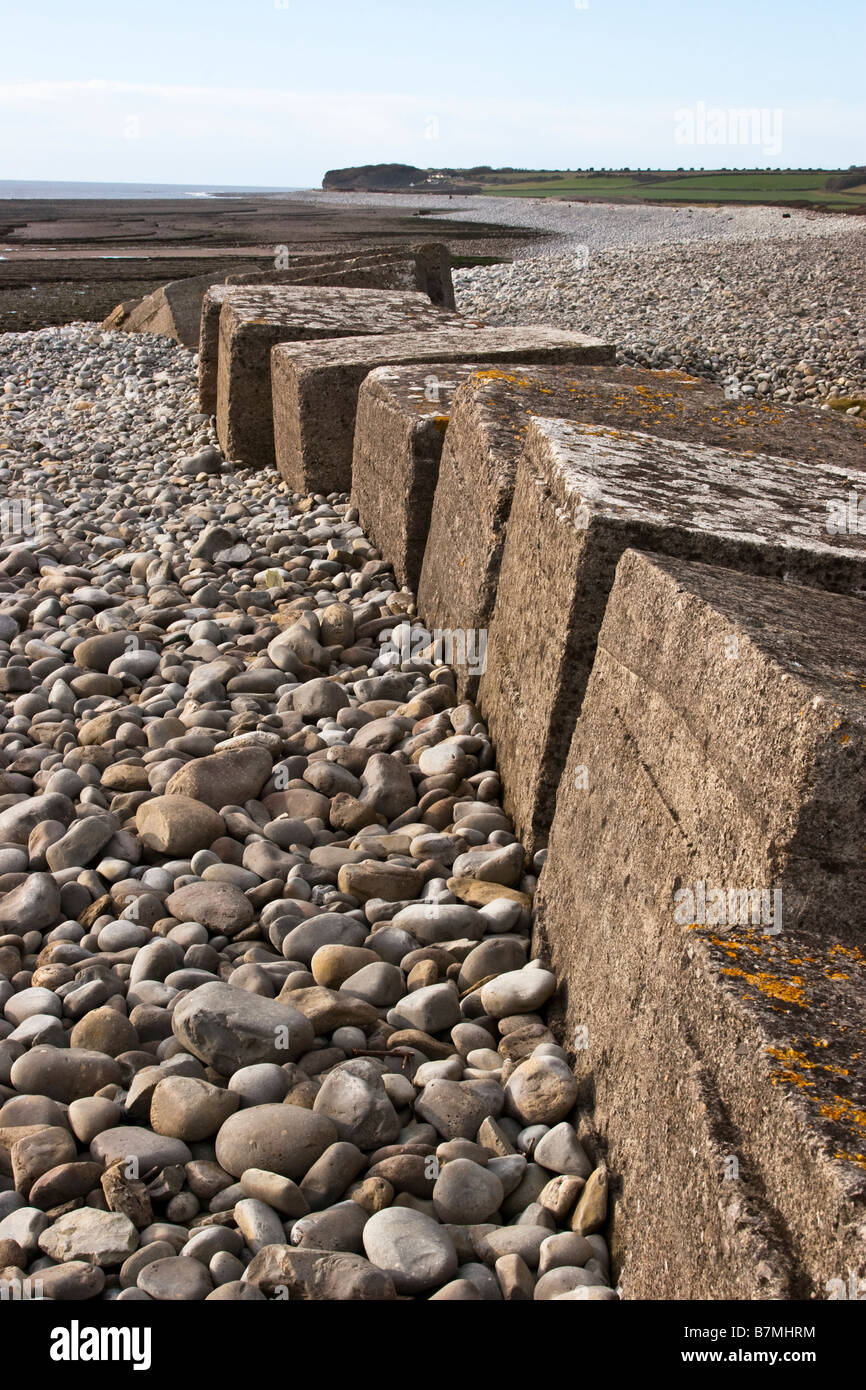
(326, 309)
(489, 419)
(448, 343)
(632, 477)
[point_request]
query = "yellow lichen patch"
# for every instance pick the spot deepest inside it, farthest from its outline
(843, 1111)
(788, 993)
(496, 374)
(441, 422)
(859, 1159)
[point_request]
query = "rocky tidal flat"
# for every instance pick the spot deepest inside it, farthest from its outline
(269, 1023)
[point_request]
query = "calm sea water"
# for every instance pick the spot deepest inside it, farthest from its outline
(34, 188)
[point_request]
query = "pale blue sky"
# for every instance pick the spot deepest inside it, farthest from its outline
(267, 92)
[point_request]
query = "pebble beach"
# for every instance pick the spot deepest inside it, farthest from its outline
(275, 998)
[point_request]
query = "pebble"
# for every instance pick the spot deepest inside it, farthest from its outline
(413, 1249)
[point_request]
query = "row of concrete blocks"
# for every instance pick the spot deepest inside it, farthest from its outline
(676, 686)
(675, 667)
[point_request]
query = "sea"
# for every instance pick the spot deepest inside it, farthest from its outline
(35, 188)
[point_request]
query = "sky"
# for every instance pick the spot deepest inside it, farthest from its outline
(275, 92)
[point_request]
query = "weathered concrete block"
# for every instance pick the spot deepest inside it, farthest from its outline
(490, 415)
(173, 310)
(583, 495)
(316, 386)
(253, 318)
(399, 432)
(719, 759)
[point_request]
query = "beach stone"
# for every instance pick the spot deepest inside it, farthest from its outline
(32, 906)
(379, 983)
(563, 1279)
(433, 922)
(104, 1030)
(230, 1028)
(432, 1009)
(452, 1109)
(236, 1292)
(177, 825)
(564, 1248)
(174, 1279)
(331, 1175)
(185, 1107)
(515, 1279)
(415, 1252)
(590, 1213)
(541, 1090)
(101, 1238)
(319, 699)
(318, 1275)
(132, 1142)
(328, 929)
(259, 1084)
(37, 1153)
(327, 1009)
(466, 1193)
(24, 1226)
(561, 1151)
(221, 907)
(258, 1223)
(373, 878)
(223, 779)
(64, 1074)
(278, 1192)
(332, 964)
(517, 992)
(72, 1282)
(282, 1139)
(81, 843)
(524, 1240)
(353, 1096)
(387, 786)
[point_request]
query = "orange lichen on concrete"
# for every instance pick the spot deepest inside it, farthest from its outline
(844, 1111)
(788, 993)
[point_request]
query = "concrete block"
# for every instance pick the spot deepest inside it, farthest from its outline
(253, 318)
(719, 759)
(399, 433)
(316, 385)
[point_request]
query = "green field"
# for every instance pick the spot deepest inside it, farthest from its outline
(785, 187)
